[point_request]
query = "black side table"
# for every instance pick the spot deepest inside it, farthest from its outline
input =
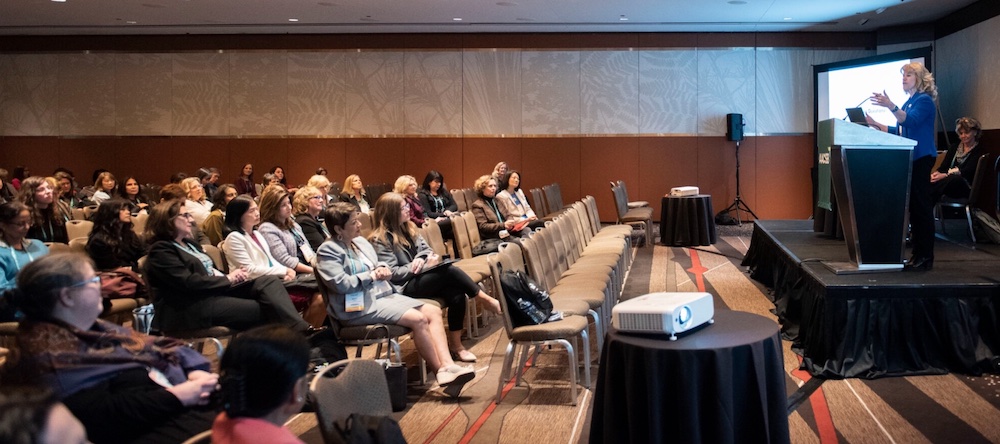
(687, 221)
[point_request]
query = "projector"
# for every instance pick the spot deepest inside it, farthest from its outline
(670, 313)
(684, 191)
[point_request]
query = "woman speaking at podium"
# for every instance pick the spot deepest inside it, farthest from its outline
(916, 121)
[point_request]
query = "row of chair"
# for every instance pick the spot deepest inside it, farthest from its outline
(582, 266)
(637, 213)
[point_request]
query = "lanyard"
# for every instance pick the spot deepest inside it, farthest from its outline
(352, 258)
(205, 260)
(493, 204)
(13, 254)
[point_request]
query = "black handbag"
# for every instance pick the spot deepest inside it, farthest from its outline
(365, 429)
(395, 378)
(487, 246)
(527, 302)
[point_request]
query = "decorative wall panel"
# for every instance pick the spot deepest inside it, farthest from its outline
(609, 90)
(143, 96)
(201, 95)
(375, 87)
(433, 93)
(668, 92)
(491, 94)
(29, 94)
(258, 88)
(86, 94)
(316, 97)
(784, 84)
(550, 92)
(726, 85)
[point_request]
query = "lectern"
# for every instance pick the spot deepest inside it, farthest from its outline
(870, 170)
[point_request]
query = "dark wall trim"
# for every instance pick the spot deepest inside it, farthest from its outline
(973, 14)
(249, 42)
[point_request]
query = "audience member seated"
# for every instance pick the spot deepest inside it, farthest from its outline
(406, 186)
(191, 294)
(208, 178)
(954, 177)
(321, 183)
(263, 378)
(65, 192)
(173, 191)
(86, 194)
(307, 211)
(404, 251)
(61, 207)
(122, 385)
(492, 218)
(132, 192)
(104, 187)
(48, 222)
(289, 247)
(438, 202)
(499, 171)
(20, 173)
(32, 415)
(7, 191)
(216, 220)
(197, 203)
(360, 294)
(321, 171)
(354, 192)
(15, 250)
(513, 200)
(245, 184)
(112, 243)
(279, 176)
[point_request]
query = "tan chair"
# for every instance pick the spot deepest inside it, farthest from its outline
(78, 228)
(218, 258)
(460, 200)
(58, 247)
(563, 332)
(139, 222)
(366, 223)
(360, 387)
(642, 217)
(78, 244)
(89, 211)
(631, 203)
(78, 214)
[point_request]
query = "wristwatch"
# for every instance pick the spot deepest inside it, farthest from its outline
(895, 108)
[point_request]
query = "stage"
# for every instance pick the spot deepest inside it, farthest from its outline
(881, 324)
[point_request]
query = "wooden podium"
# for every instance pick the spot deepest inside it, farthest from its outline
(870, 170)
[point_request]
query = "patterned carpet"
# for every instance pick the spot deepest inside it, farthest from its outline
(949, 408)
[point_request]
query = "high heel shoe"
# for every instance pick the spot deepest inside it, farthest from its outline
(463, 356)
(924, 263)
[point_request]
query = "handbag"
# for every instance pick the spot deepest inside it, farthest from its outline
(487, 246)
(365, 429)
(395, 376)
(120, 283)
(527, 302)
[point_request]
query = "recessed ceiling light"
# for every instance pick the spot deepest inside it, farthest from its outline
(293, 20)
(623, 18)
(506, 4)
(737, 2)
(59, 1)
(368, 18)
(131, 22)
(524, 19)
(787, 18)
(457, 19)
(879, 10)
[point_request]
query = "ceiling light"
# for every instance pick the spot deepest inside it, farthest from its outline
(506, 4)
(131, 22)
(879, 10)
(457, 19)
(787, 18)
(623, 18)
(59, 1)
(736, 2)
(293, 20)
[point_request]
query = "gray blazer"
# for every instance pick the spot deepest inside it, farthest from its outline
(334, 269)
(282, 244)
(398, 258)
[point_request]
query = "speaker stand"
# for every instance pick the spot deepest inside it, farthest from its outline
(738, 204)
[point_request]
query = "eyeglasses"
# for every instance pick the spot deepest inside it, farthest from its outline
(93, 280)
(315, 197)
(186, 215)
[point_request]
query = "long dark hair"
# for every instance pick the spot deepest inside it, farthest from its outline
(260, 369)
(160, 225)
(431, 176)
(234, 214)
(108, 224)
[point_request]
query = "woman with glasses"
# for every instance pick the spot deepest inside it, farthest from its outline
(197, 203)
(122, 385)
(15, 250)
(307, 207)
(954, 177)
(192, 294)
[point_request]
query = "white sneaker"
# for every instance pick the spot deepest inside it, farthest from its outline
(454, 374)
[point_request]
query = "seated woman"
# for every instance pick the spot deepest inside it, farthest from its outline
(244, 184)
(65, 192)
(406, 186)
(404, 251)
(104, 187)
(191, 294)
(263, 377)
(112, 243)
(279, 176)
(197, 203)
(354, 192)
(954, 177)
(360, 295)
(208, 177)
(122, 385)
(15, 250)
(321, 183)
(32, 414)
(132, 193)
(513, 200)
(216, 220)
(289, 247)
(307, 209)
(492, 218)
(7, 191)
(499, 171)
(48, 222)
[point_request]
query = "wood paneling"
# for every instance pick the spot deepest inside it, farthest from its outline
(375, 160)
(480, 155)
(787, 161)
(306, 155)
(664, 163)
(441, 154)
(553, 160)
(39, 154)
(604, 159)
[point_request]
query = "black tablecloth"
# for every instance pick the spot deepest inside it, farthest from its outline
(724, 383)
(687, 221)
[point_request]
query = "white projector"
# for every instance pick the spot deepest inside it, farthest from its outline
(684, 191)
(669, 313)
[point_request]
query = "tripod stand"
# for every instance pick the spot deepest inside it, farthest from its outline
(738, 203)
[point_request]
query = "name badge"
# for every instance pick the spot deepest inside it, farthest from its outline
(354, 302)
(381, 288)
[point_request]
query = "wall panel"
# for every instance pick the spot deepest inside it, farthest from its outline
(664, 163)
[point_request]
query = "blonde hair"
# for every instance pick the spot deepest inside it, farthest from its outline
(481, 183)
(189, 184)
(402, 183)
(925, 80)
(349, 185)
(319, 181)
(387, 220)
(301, 202)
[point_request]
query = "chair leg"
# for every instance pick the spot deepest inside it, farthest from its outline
(940, 217)
(508, 356)
(586, 359)
(968, 217)
(597, 329)
(572, 368)
(524, 350)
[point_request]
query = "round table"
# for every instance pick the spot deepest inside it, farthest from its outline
(687, 221)
(722, 383)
